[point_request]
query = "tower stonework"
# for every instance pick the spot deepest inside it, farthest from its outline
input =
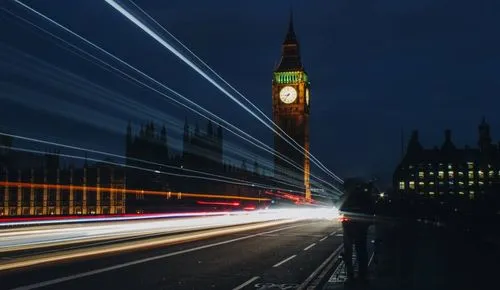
(291, 106)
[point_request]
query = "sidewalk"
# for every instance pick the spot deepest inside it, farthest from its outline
(423, 257)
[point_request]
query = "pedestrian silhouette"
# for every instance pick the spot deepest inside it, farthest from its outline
(356, 209)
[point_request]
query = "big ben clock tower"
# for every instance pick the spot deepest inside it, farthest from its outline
(291, 103)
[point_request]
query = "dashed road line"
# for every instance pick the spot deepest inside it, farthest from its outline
(145, 260)
(333, 233)
(310, 246)
(324, 238)
(284, 261)
(244, 284)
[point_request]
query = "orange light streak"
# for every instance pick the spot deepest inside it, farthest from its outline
(121, 190)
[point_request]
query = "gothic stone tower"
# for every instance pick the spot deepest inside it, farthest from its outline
(291, 103)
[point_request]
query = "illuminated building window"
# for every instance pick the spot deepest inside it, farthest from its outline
(431, 173)
(431, 183)
(471, 183)
(441, 174)
(461, 183)
(491, 173)
(421, 174)
(470, 165)
(441, 183)
(412, 184)
(431, 192)
(471, 194)
(450, 166)
(402, 185)
(481, 174)
(471, 174)
(421, 183)
(460, 174)
(481, 183)
(451, 183)
(451, 174)
(461, 193)
(410, 167)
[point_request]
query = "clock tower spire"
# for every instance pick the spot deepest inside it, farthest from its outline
(291, 102)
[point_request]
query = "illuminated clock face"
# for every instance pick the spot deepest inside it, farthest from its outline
(307, 96)
(288, 95)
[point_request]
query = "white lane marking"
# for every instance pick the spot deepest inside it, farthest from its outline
(310, 246)
(324, 238)
(340, 235)
(371, 259)
(141, 261)
(246, 283)
(333, 233)
(284, 261)
(320, 267)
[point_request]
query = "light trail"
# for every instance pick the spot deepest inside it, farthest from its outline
(245, 136)
(123, 165)
(158, 38)
(162, 241)
(127, 191)
(57, 235)
(51, 220)
(239, 181)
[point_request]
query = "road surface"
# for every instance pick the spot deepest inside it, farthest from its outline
(275, 257)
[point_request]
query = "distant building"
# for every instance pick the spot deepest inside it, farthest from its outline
(449, 175)
(47, 189)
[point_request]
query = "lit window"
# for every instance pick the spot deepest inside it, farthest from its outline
(471, 183)
(412, 184)
(461, 183)
(461, 174)
(451, 174)
(461, 193)
(421, 183)
(470, 165)
(481, 183)
(441, 174)
(431, 183)
(481, 174)
(432, 173)
(421, 174)
(491, 173)
(410, 167)
(471, 174)
(431, 192)
(450, 166)
(402, 185)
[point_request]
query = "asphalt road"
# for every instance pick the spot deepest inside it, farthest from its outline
(279, 257)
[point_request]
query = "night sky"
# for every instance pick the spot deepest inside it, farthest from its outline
(376, 68)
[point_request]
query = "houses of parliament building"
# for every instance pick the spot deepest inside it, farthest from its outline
(448, 174)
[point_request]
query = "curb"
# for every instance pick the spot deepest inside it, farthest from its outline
(320, 275)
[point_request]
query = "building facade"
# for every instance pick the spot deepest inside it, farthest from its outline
(47, 191)
(447, 174)
(291, 107)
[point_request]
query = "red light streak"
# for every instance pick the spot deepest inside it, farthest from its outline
(218, 203)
